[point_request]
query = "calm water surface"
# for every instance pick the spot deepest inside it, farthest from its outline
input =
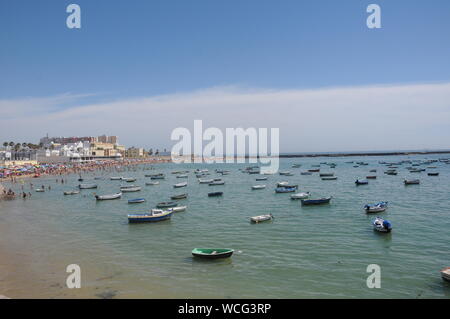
(306, 252)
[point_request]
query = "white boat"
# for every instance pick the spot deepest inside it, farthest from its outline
(151, 183)
(258, 186)
(300, 195)
(108, 197)
(445, 273)
(376, 208)
(182, 176)
(382, 225)
(87, 186)
(261, 218)
(205, 181)
(180, 185)
(177, 209)
(40, 190)
(71, 192)
(281, 184)
(128, 179)
(129, 189)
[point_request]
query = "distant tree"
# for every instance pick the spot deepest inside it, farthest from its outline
(157, 152)
(41, 144)
(5, 144)
(11, 144)
(165, 151)
(17, 147)
(150, 152)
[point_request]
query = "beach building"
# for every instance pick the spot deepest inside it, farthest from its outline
(135, 152)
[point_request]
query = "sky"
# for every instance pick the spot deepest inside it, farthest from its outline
(139, 69)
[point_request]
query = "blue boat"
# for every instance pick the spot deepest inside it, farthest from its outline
(285, 189)
(136, 201)
(318, 201)
(149, 217)
(382, 225)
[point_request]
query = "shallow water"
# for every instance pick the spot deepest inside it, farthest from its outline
(306, 252)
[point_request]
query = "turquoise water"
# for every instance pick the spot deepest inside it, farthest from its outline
(306, 252)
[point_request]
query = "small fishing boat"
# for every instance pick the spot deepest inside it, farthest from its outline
(445, 273)
(330, 178)
(318, 201)
(433, 174)
(116, 178)
(182, 176)
(166, 204)
(215, 194)
(373, 171)
(391, 173)
(371, 177)
(136, 201)
(151, 183)
(282, 184)
(381, 225)
(177, 209)
(205, 181)
(212, 253)
(326, 174)
(149, 217)
(305, 173)
(129, 180)
(108, 197)
(181, 196)
(179, 185)
(71, 192)
(361, 182)
(376, 208)
(40, 190)
(261, 218)
(80, 179)
(411, 181)
(296, 165)
(300, 195)
(261, 179)
(130, 189)
(258, 186)
(285, 189)
(160, 176)
(214, 183)
(87, 186)
(314, 170)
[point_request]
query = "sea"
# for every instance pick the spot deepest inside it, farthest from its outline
(324, 251)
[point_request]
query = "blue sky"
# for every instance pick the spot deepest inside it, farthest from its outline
(131, 49)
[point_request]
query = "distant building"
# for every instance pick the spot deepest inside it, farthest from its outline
(107, 139)
(134, 152)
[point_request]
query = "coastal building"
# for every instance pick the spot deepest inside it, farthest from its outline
(135, 152)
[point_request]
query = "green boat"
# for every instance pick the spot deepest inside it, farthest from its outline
(212, 253)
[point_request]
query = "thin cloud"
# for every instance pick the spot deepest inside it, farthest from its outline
(327, 119)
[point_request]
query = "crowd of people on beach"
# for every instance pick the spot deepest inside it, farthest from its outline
(16, 174)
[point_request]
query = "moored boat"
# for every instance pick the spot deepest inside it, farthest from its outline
(181, 196)
(361, 182)
(149, 217)
(255, 187)
(318, 201)
(136, 201)
(261, 218)
(371, 177)
(411, 181)
(177, 209)
(215, 194)
(300, 195)
(212, 253)
(445, 273)
(87, 186)
(433, 174)
(128, 179)
(71, 192)
(108, 197)
(261, 179)
(151, 183)
(166, 204)
(329, 178)
(214, 183)
(205, 181)
(376, 208)
(285, 189)
(179, 185)
(115, 178)
(381, 225)
(130, 189)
